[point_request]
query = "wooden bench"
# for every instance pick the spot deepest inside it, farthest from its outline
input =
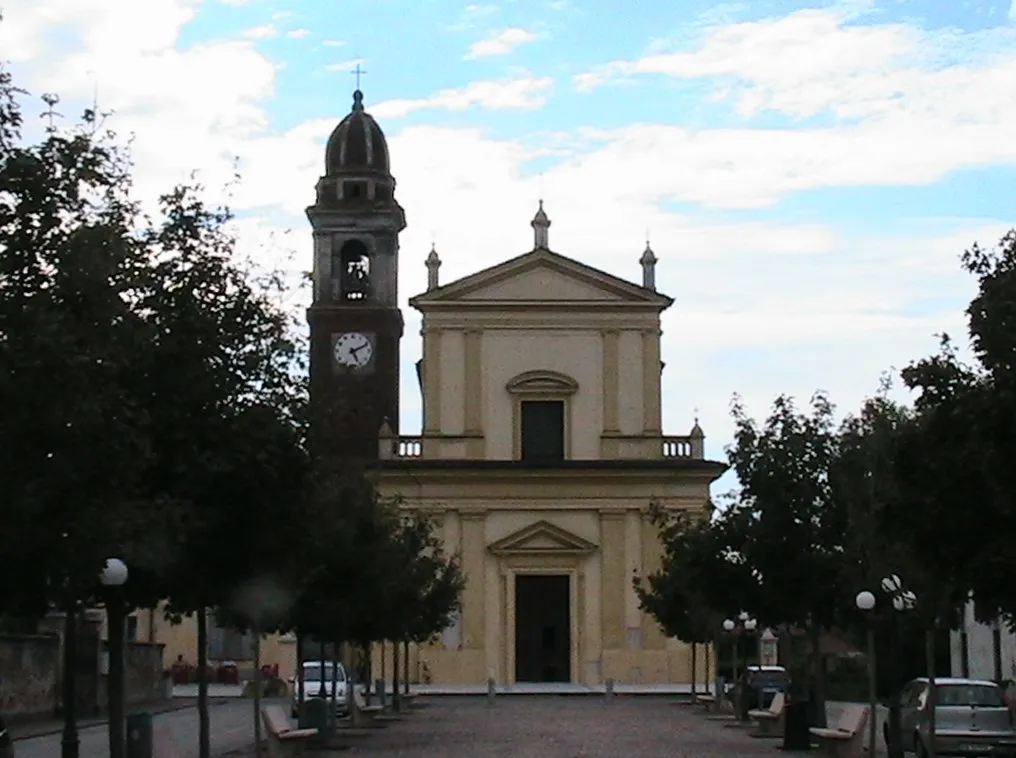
(846, 740)
(769, 721)
(283, 740)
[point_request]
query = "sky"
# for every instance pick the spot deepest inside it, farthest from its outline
(808, 173)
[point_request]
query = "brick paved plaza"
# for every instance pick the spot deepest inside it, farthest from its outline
(559, 727)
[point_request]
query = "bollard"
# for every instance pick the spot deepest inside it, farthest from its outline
(379, 692)
(491, 691)
(609, 690)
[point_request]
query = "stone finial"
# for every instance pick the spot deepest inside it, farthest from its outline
(385, 441)
(541, 226)
(697, 437)
(648, 261)
(433, 264)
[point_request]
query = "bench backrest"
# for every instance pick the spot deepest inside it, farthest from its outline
(275, 719)
(852, 718)
(776, 707)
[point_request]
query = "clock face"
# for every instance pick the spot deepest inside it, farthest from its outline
(353, 350)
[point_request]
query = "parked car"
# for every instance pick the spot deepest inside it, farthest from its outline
(761, 683)
(6, 743)
(317, 678)
(971, 718)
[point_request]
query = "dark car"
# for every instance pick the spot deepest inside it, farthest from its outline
(6, 744)
(759, 685)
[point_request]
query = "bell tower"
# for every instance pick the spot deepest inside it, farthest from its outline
(354, 317)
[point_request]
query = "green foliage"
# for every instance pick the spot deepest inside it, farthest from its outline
(76, 432)
(373, 572)
(701, 579)
(790, 526)
(154, 402)
(967, 441)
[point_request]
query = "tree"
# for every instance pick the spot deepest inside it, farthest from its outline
(700, 581)
(374, 572)
(991, 318)
(231, 408)
(75, 430)
(428, 588)
(153, 382)
(791, 529)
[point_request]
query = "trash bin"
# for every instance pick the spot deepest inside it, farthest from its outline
(795, 726)
(139, 735)
(314, 715)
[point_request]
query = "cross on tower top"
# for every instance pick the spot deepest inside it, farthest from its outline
(357, 72)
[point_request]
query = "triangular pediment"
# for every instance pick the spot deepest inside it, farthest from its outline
(542, 538)
(541, 276)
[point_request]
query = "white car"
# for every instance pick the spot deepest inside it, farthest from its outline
(971, 718)
(317, 678)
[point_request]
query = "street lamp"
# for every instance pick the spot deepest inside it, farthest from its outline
(865, 601)
(731, 627)
(901, 600)
(112, 577)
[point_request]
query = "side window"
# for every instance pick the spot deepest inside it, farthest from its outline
(920, 696)
(906, 694)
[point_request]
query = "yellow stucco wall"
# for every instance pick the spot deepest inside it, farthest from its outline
(181, 639)
(593, 341)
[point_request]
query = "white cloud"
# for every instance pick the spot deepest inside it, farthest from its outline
(501, 43)
(1012, 11)
(854, 71)
(762, 306)
(471, 15)
(297, 33)
(346, 65)
(333, 43)
(265, 31)
(507, 94)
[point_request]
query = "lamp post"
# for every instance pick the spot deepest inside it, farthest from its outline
(69, 744)
(900, 600)
(865, 601)
(112, 578)
(733, 628)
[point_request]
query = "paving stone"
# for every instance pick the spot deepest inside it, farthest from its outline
(561, 727)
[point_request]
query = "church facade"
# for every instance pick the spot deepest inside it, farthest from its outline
(541, 447)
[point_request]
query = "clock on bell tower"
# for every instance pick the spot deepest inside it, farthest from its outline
(355, 321)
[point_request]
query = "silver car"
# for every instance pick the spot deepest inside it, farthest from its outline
(329, 679)
(971, 718)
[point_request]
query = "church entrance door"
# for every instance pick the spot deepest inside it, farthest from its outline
(542, 628)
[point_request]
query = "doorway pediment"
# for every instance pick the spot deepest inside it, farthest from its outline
(542, 538)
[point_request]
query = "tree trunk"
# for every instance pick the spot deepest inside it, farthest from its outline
(333, 704)
(69, 743)
(894, 746)
(708, 648)
(405, 667)
(298, 675)
(929, 657)
(257, 690)
(694, 669)
(355, 715)
(115, 682)
(818, 678)
(204, 735)
(396, 697)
